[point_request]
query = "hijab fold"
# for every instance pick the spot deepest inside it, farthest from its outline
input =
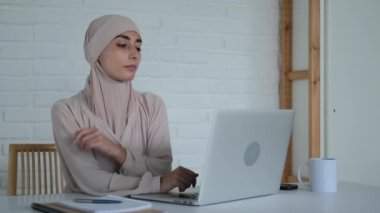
(109, 99)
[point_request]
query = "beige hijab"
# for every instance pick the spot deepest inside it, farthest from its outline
(108, 99)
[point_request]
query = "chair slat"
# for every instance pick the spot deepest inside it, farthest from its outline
(39, 172)
(28, 172)
(45, 173)
(22, 172)
(51, 172)
(56, 172)
(12, 171)
(33, 173)
(35, 179)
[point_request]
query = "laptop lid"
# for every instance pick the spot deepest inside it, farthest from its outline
(246, 157)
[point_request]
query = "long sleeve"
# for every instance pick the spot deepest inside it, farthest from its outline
(82, 166)
(158, 156)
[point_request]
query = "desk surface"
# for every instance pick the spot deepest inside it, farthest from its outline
(351, 197)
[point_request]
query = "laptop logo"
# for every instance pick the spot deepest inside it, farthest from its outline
(251, 153)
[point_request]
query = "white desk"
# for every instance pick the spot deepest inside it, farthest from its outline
(350, 197)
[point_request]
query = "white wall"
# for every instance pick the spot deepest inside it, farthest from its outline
(300, 90)
(352, 94)
(199, 55)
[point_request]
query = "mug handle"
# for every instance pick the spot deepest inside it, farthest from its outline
(303, 184)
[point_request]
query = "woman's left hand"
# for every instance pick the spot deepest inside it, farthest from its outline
(92, 138)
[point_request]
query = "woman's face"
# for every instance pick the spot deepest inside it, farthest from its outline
(121, 57)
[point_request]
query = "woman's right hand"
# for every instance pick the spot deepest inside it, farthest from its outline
(180, 177)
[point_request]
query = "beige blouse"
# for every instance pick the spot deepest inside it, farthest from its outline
(146, 140)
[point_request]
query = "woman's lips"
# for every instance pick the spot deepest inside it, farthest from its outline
(131, 67)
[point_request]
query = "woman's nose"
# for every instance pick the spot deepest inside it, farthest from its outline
(134, 54)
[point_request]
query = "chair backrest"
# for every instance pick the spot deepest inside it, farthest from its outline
(34, 169)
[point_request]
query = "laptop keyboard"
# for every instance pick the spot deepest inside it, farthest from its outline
(189, 195)
(193, 196)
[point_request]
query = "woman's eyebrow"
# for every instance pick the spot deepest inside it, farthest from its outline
(127, 38)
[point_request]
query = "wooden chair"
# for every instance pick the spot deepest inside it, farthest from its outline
(34, 169)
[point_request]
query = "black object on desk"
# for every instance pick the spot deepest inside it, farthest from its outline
(288, 186)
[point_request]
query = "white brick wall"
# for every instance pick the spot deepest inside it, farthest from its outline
(199, 55)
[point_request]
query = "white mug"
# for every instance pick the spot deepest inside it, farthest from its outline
(322, 175)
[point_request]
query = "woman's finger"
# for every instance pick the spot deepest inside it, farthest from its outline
(91, 136)
(188, 172)
(81, 133)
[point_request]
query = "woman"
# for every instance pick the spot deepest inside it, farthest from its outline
(111, 138)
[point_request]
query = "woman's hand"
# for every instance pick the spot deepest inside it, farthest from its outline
(93, 139)
(180, 177)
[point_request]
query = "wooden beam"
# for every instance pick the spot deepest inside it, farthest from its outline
(314, 78)
(298, 75)
(286, 67)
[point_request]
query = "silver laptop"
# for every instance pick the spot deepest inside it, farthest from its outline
(245, 159)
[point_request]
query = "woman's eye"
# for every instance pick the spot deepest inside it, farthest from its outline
(121, 45)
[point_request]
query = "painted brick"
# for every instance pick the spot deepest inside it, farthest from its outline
(157, 70)
(12, 130)
(236, 73)
(17, 51)
(263, 45)
(184, 9)
(82, 17)
(201, 72)
(232, 59)
(150, 54)
(239, 2)
(233, 26)
(58, 3)
(148, 26)
(270, 4)
(173, 131)
(16, 16)
(201, 42)
(15, 99)
(48, 99)
(24, 3)
(184, 56)
(75, 85)
(43, 131)
(190, 146)
(50, 15)
(52, 67)
(192, 161)
(51, 33)
(107, 5)
(170, 100)
(57, 50)
(49, 84)
(27, 114)
(147, 85)
(184, 86)
(186, 24)
(253, 101)
(238, 87)
(251, 12)
(187, 116)
(198, 131)
(16, 33)
(156, 38)
(201, 102)
(81, 67)
(4, 149)
(15, 84)
(16, 68)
